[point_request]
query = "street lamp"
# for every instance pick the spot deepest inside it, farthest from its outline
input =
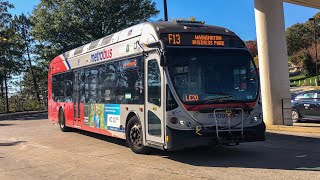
(316, 46)
(165, 10)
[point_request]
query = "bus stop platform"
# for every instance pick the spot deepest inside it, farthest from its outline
(305, 127)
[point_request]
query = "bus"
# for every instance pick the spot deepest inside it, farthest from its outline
(164, 85)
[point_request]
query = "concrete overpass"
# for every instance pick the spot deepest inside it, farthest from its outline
(273, 59)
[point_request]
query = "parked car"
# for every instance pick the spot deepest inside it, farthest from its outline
(306, 105)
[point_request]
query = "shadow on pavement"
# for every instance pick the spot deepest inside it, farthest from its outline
(11, 143)
(6, 125)
(284, 152)
(31, 116)
(109, 139)
(279, 151)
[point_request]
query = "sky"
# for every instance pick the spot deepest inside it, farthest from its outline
(236, 15)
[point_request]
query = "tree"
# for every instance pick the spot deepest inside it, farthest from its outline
(298, 37)
(24, 29)
(256, 61)
(5, 18)
(309, 25)
(10, 47)
(309, 67)
(253, 47)
(61, 25)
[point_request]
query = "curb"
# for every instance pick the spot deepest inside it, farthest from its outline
(4, 116)
(293, 128)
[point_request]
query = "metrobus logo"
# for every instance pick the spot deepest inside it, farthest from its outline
(101, 55)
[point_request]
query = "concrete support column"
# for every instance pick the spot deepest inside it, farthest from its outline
(273, 62)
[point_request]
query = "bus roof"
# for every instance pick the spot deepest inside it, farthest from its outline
(127, 42)
(159, 27)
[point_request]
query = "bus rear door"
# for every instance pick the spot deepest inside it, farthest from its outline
(76, 99)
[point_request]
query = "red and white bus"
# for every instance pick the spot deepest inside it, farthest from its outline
(165, 85)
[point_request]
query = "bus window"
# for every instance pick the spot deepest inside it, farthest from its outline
(154, 124)
(154, 83)
(130, 82)
(108, 83)
(62, 87)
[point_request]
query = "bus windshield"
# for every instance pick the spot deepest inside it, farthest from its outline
(205, 76)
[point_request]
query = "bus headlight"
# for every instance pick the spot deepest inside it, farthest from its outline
(182, 123)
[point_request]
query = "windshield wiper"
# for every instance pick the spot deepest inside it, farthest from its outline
(217, 93)
(226, 97)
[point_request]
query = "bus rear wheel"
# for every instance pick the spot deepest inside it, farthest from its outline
(134, 136)
(62, 122)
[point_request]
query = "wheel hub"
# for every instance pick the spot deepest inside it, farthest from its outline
(135, 135)
(294, 115)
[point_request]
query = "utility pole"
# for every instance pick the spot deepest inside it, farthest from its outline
(316, 46)
(165, 10)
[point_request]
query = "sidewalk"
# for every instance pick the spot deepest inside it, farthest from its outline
(297, 127)
(301, 88)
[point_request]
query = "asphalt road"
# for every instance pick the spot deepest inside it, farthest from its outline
(32, 148)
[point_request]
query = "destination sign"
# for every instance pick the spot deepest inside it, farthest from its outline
(198, 39)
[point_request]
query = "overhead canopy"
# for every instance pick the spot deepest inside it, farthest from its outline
(308, 3)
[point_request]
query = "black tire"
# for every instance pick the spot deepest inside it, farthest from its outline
(134, 136)
(295, 116)
(62, 122)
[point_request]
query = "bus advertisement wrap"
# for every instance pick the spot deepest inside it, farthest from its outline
(112, 116)
(103, 116)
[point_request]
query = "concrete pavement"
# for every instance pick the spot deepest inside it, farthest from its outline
(32, 148)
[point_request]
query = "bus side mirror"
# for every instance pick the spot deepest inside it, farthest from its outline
(163, 60)
(156, 44)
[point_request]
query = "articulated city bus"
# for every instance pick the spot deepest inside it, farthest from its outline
(165, 85)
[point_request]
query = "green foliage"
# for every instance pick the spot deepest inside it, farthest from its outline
(298, 37)
(301, 35)
(303, 81)
(309, 67)
(61, 25)
(5, 16)
(297, 78)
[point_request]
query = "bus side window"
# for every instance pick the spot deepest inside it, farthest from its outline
(108, 83)
(154, 83)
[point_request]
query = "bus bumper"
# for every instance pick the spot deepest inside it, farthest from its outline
(179, 139)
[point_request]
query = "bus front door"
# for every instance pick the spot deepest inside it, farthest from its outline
(76, 99)
(154, 110)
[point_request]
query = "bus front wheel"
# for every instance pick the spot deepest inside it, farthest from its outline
(62, 122)
(134, 136)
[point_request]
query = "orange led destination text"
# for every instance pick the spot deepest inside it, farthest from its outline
(192, 97)
(174, 39)
(208, 40)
